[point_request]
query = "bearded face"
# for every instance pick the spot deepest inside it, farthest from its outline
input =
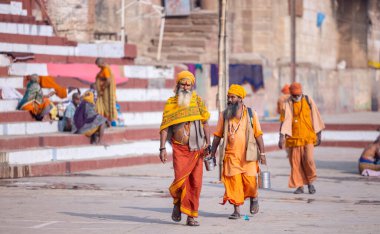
(233, 105)
(184, 97)
(184, 93)
(296, 98)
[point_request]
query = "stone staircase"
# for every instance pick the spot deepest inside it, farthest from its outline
(31, 148)
(187, 40)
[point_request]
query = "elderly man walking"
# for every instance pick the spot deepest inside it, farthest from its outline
(184, 125)
(301, 126)
(243, 149)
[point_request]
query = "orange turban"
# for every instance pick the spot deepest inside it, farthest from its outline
(185, 75)
(295, 89)
(237, 90)
(285, 89)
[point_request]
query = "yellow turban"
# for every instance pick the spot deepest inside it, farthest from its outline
(185, 75)
(237, 90)
(88, 96)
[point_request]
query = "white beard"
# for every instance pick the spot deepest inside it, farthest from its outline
(184, 98)
(297, 99)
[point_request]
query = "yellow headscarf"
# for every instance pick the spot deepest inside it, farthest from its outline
(88, 96)
(237, 90)
(185, 75)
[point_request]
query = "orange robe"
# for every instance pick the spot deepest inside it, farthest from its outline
(106, 102)
(239, 175)
(35, 107)
(49, 82)
(301, 145)
(187, 184)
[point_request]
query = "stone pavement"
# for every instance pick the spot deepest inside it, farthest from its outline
(136, 200)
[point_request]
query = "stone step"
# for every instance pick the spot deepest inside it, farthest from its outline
(8, 105)
(28, 128)
(122, 95)
(184, 58)
(22, 38)
(131, 83)
(7, 18)
(62, 160)
(8, 109)
(13, 82)
(169, 42)
(128, 108)
(189, 21)
(12, 8)
(80, 152)
(121, 73)
(179, 50)
(192, 28)
(15, 116)
(24, 142)
(58, 46)
(26, 29)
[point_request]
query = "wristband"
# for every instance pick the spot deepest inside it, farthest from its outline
(163, 148)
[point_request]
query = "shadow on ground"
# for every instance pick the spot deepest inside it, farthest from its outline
(117, 217)
(344, 166)
(168, 211)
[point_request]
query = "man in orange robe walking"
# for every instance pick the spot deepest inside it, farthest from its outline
(301, 127)
(184, 125)
(238, 172)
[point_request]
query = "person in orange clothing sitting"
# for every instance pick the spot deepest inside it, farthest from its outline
(240, 130)
(34, 101)
(301, 127)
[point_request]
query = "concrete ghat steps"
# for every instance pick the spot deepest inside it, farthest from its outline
(331, 136)
(59, 139)
(28, 128)
(10, 115)
(123, 95)
(140, 147)
(45, 155)
(26, 29)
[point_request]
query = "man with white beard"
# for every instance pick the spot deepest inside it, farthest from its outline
(184, 125)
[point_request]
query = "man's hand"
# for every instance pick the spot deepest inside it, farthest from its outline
(207, 150)
(163, 155)
(263, 159)
(281, 141)
(319, 139)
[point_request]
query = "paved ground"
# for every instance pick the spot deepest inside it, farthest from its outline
(136, 200)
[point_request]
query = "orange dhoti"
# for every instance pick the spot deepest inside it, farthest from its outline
(303, 170)
(187, 184)
(238, 188)
(49, 82)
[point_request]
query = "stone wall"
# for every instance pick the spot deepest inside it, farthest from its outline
(72, 18)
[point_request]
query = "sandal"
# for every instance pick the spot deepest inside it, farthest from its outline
(299, 190)
(234, 216)
(254, 206)
(176, 214)
(191, 222)
(311, 189)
